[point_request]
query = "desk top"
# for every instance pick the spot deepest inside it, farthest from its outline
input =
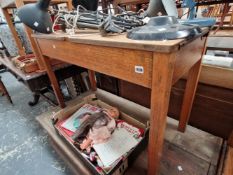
(11, 3)
(93, 37)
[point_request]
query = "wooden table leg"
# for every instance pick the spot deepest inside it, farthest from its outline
(54, 82)
(92, 80)
(36, 98)
(163, 66)
(230, 140)
(4, 90)
(190, 90)
(52, 77)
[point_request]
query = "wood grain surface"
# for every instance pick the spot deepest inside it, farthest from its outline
(217, 76)
(187, 57)
(161, 86)
(116, 62)
(228, 169)
(93, 37)
(230, 140)
(189, 95)
(218, 119)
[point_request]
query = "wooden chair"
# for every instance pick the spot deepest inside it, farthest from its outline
(222, 11)
(4, 91)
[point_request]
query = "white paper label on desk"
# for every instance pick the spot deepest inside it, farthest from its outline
(139, 69)
(162, 29)
(36, 24)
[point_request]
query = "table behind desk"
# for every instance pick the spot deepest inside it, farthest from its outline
(38, 81)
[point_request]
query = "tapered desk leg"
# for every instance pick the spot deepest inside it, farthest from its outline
(54, 82)
(4, 90)
(92, 80)
(163, 66)
(230, 140)
(190, 90)
(52, 77)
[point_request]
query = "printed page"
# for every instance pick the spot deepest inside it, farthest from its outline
(120, 143)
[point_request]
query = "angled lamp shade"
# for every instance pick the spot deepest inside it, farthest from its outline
(165, 7)
(36, 16)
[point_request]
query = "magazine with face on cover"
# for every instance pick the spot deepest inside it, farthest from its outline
(116, 147)
(74, 121)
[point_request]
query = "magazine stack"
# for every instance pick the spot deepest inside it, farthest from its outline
(102, 136)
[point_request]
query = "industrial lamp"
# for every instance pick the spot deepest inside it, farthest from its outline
(36, 16)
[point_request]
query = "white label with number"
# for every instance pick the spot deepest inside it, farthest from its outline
(139, 69)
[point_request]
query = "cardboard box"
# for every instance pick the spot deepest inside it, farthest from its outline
(120, 166)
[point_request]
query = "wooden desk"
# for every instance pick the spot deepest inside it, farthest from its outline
(8, 4)
(162, 63)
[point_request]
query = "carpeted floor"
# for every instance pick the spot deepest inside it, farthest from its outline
(24, 146)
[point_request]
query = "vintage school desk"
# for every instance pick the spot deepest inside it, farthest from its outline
(153, 64)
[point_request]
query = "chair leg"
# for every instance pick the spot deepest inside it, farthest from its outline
(226, 8)
(231, 19)
(5, 92)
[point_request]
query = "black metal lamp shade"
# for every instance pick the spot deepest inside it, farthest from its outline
(36, 16)
(163, 28)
